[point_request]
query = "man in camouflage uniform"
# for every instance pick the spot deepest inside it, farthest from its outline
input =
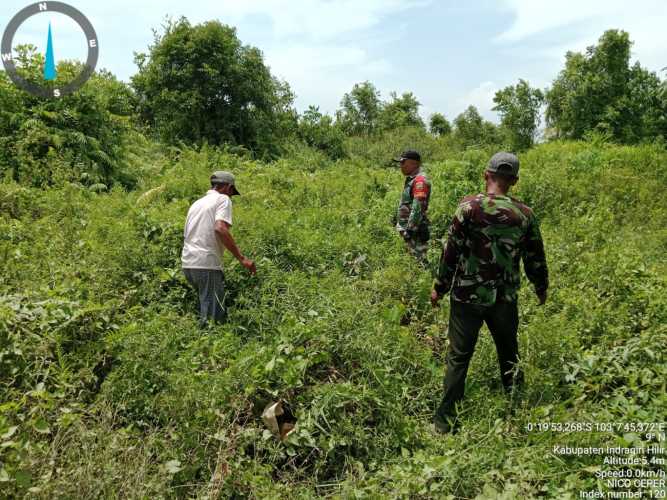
(412, 220)
(489, 235)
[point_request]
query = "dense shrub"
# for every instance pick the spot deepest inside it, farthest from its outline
(320, 132)
(199, 84)
(110, 389)
(84, 137)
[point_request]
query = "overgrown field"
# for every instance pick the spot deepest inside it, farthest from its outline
(109, 389)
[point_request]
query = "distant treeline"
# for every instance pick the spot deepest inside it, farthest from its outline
(201, 85)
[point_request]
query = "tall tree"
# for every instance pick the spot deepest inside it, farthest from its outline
(360, 110)
(519, 108)
(319, 131)
(400, 112)
(201, 84)
(600, 91)
(439, 125)
(472, 130)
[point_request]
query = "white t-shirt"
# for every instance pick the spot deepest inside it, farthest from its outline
(201, 248)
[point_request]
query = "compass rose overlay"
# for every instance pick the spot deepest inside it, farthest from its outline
(49, 71)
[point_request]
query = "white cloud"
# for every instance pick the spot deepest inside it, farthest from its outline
(307, 19)
(321, 47)
(317, 43)
(482, 98)
(321, 74)
(318, 19)
(585, 21)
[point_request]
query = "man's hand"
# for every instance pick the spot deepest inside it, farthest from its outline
(435, 298)
(249, 265)
(542, 297)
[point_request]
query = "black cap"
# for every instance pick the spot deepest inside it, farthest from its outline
(409, 155)
(504, 163)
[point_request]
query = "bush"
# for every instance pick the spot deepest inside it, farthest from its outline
(319, 131)
(110, 389)
(83, 137)
(200, 84)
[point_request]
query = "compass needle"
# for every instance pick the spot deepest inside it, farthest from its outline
(50, 63)
(50, 72)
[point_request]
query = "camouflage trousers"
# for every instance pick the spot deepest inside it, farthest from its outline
(418, 249)
(417, 244)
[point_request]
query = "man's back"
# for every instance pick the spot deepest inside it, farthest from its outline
(488, 237)
(201, 249)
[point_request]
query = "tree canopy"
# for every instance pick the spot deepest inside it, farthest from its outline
(470, 129)
(79, 137)
(519, 107)
(320, 132)
(598, 91)
(360, 109)
(201, 84)
(400, 112)
(439, 125)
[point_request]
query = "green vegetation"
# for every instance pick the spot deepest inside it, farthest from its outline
(600, 92)
(439, 125)
(519, 108)
(201, 84)
(363, 113)
(471, 130)
(109, 389)
(86, 138)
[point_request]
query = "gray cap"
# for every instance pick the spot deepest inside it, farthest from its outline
(223, 177)
(504, 163)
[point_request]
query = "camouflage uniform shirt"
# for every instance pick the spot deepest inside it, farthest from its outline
(487, 238)
(413, 208)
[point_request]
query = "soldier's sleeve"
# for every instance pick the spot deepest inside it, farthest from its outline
(420, 194)
(534, 258)
(451, 251)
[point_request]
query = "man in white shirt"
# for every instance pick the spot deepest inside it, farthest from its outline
(205, 237)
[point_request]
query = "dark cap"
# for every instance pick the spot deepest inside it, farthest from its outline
(504, 164)
(409, 155)
(222, 177)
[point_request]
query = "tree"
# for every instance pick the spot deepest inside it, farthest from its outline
(600, 92)
(360, 110)
(81, 137)
(400, 112)
(201, 84)
(519, 108)
(439, 125)
(319, 131)
(472, 130)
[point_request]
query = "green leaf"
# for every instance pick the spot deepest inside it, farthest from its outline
(42, 426)
(10, 432)
(269, 366)
(23, 479)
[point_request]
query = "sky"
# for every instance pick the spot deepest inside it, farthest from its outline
(450, 54)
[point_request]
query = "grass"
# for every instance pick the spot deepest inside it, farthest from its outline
(109, 389)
